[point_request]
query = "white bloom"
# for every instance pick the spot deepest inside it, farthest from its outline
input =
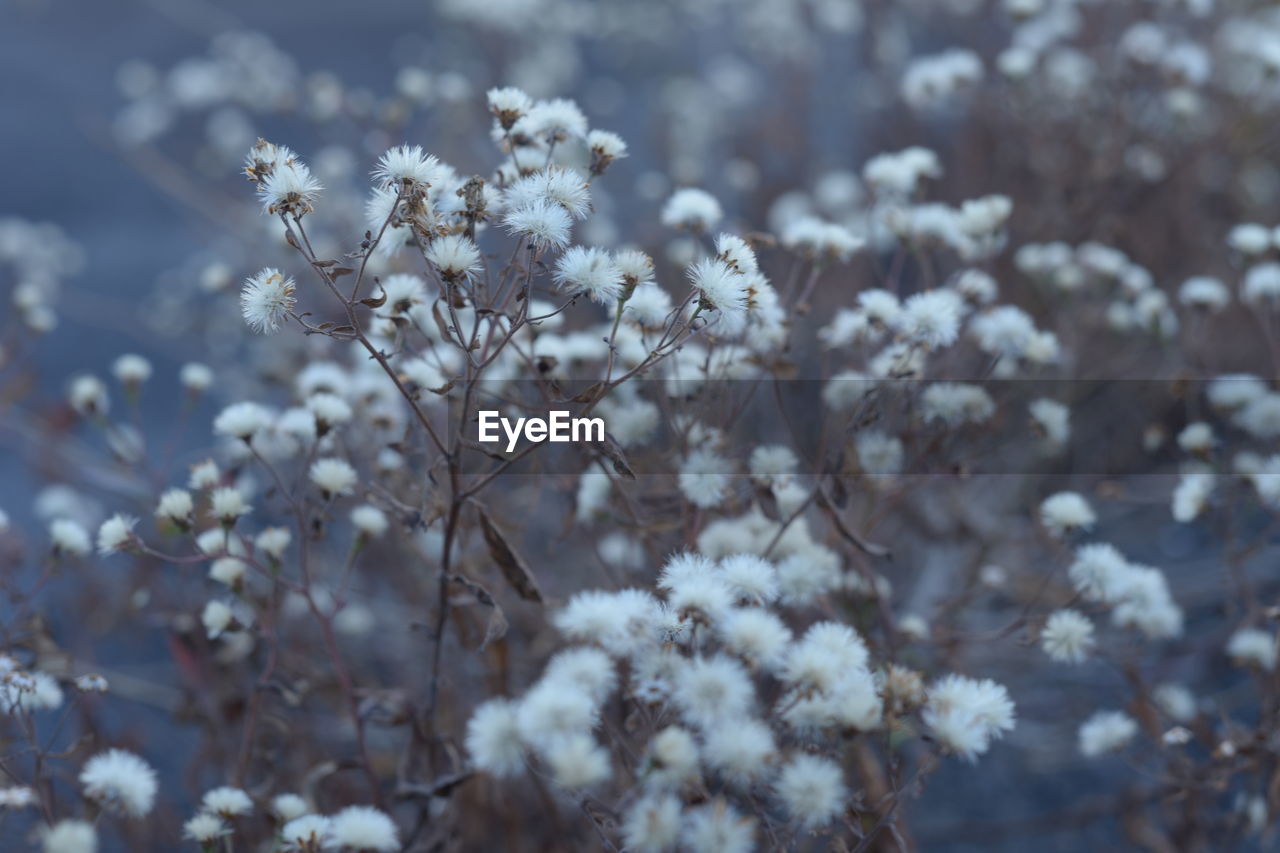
(1067, 636)
(557, 186)
(196, 377)
(240, 420)
(493, 739)
(605, 147)
(692, 209)
(266, 299)
(1106, 731)
(369, 520)
(273, 541)
(205, 828)
(1052, 420)
(131, 370)
(1250, 238)
(120, 780)
(289, 807)
(652, 824)
(227, 802)
(455, 255)
(1261, 287)
(589, 271)
(710, 690)
(289, 189)
(362, 828)
(1066, 511)
(739, 749)
(705, 478)
(305, 832)
(69, 537)
(216, 618)
(1205, 293)
(545, 224)
(756, 634)
(115, 533)
(966, 714)
(1253, 647)
(334, 476)
(408, 168)
(719, 286)
(716, 828)
(932, 318)
(70, 836)
(812, 789)
(88, 396)
(227, 504)
(554, 121)
(204, 475)
(577, 761)
(621, 622)
(508, 105)
(1192, 495)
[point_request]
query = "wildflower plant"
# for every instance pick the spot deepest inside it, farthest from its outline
(900, 469)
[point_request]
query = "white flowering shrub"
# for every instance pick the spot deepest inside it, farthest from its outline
(919, 487)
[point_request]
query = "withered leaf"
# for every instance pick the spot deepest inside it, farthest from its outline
(513, 566)
(613, 452)
(496, 626)
(441, 323)
(375, 301)
(339, 272)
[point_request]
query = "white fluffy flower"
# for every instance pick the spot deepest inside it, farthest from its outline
(408, 167)
(589, 271)
(227, 504)
(88, 396)
(131, 370)
(812, 789)
(69, 537)
(719, 286)
(70, 836)
(334, 476)
(205, 828)
(508, 105)
(1106, 731)
(115, 533)
(1254, 647)
(227, 802)
(692, 209)
(305, 833)
(716, 828)
(289, 189)
(369, 520)
(1067, 636)
(175, 505)
(121, 781)
(966, 714)
(240, 420)
(362, 828)
(705, 478)
(545, 224)
(652, 824)
(1066, 511)
(455, 255)
(556, 186)
(266, 299)
(216, 618)
(196, 377)
(493, 739)
(932, 318)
